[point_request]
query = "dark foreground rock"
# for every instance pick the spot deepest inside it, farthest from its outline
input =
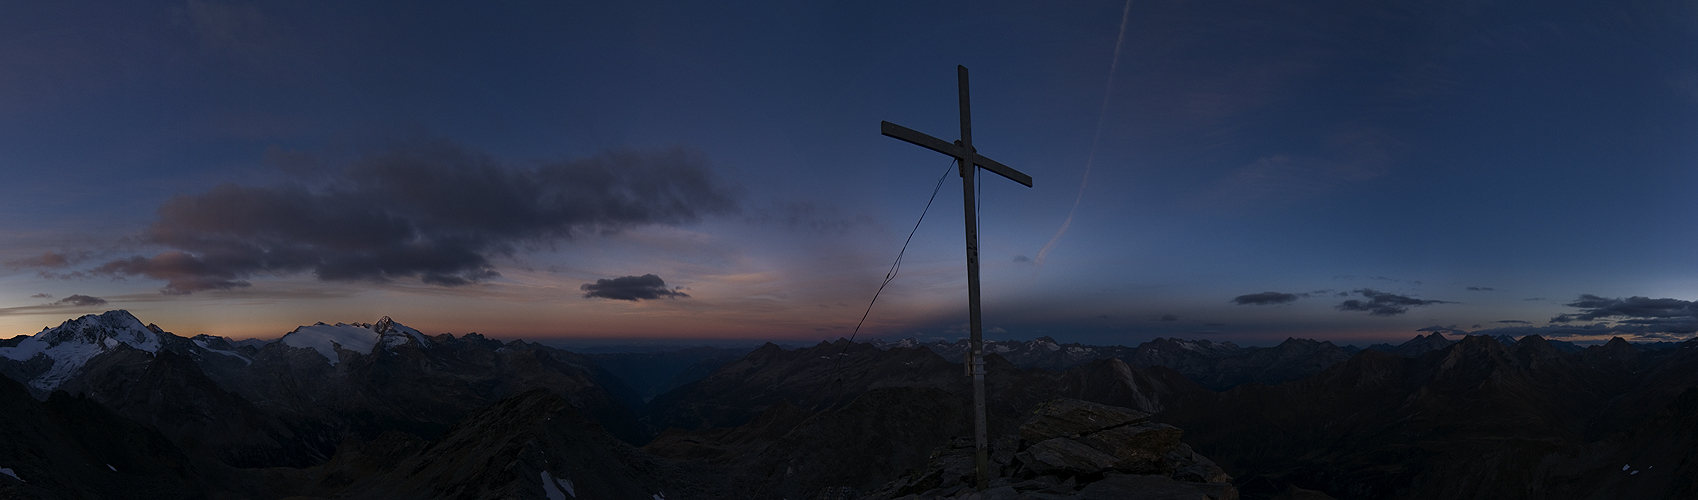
(1072, 449)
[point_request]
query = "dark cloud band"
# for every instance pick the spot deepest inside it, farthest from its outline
(1264, 298)
(81, 301)
(436, 211)
(1643, 317)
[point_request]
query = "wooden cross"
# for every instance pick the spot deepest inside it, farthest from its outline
(970, 161)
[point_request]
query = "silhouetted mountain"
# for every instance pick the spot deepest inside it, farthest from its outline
(1417, 346)
(815, 378)
(419, 384)
(532, 445)
(845, 415)
(652, 373)
(1219, 366)
(1474, 420)
(69, 447)
(379, 410)
(290, 402)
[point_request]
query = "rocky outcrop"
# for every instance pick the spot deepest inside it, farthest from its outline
(1073, 449)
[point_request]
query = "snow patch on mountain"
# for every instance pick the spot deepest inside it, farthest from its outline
(557, 488)
(72, 344)
(361, 338)
(327, 338)
(204, 345)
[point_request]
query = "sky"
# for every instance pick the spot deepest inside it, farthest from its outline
(1239, 171)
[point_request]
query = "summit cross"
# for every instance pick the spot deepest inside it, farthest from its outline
(970, 161)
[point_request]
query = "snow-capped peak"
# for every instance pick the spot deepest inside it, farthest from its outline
(395, 334)
(111, 326)
(360, 338)
(71, 344)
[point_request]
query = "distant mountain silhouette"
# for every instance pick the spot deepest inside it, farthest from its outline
(105, 406)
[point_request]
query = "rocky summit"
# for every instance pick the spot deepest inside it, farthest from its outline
(1073, 449)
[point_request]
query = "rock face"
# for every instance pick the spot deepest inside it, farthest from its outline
(1074, 449)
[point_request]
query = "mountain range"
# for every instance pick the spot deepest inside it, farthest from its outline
(106, 406)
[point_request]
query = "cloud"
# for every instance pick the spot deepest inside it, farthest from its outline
(1022, 258)
(1481, 289)
(81, 301)
(1168, 317)
(1265, 298)
(42, 296)
(632, 288)
(1643, 318)
(1385, 304)
(1634, 308)
(1443, 329)
(434, 211)
(1512, 321)
(50, 260)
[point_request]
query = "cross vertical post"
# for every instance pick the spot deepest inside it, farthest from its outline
(970, 160)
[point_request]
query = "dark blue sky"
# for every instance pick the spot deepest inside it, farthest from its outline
(241, 168)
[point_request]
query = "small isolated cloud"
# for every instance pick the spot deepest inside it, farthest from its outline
(996, 330)
(81, 301)
(1168, 317)
(1385, 304)
(42, 296)
(1022, 258)
(1481, 289)
(1265, 298)
(632, 288)
(1512, 321)
(1443, 329)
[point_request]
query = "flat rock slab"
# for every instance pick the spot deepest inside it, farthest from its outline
(1062, 417)
(1140, 447)
(1065, 456)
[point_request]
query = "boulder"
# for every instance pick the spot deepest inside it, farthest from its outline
(1063, 417)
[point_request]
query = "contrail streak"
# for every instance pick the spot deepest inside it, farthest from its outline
(1125, 15)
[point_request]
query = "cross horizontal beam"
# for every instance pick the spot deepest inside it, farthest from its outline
(920, 139)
